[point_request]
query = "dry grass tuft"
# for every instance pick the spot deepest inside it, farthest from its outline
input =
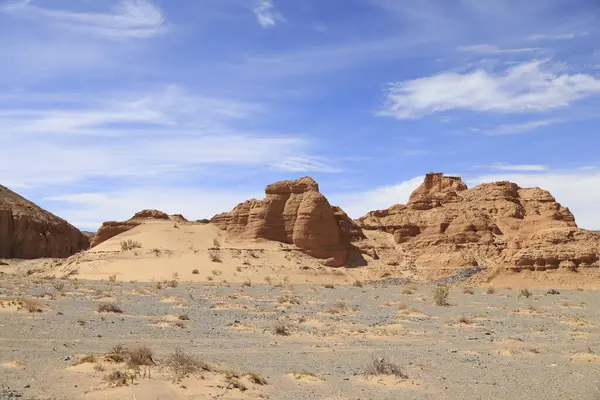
(288, 299)
(380, 366)
(119, 378)
(525, 293)
(465, 320)
(183, 365)
(141, 356)
(247, 283)
(468, 291)
(329, 286)
(195, 271)
(281, 329)
(31, 305)
(112, 278)
(109, 307)
(357, 283)
(89, 359)
(440, 295)
(130, 245)
(491, 290)
(257, 378)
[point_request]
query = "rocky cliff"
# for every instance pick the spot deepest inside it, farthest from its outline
(28, 231)
(295, 212)
(445, 224)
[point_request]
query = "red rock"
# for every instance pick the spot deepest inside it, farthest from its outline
(445, 224)
(295, 212)
(28, 231)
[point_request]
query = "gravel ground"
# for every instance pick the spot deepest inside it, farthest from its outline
(481, 346)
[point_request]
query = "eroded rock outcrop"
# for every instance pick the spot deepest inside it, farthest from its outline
(295, 212)
(111, 229)
(444, 224)
(28, 231)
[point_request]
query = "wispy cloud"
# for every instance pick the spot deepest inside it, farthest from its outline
(266, 14)
(524, 88)
(305, 164)
(558, 36)
(514, 129)
(490, 49)
(514, 167)
(128, 19)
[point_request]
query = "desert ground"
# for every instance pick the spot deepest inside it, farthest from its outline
(63, 339)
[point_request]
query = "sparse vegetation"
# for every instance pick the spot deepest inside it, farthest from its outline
(89, 359)
(31, 305)
(215, 256)
(288, 299)
(59, 286)
(238, 268)
(525, 293)
(329, 286)
(380, 366)
(403, 306)
(141, 356)
(182, 364)
(130, 245)
(468, 291)
(118, 354)
(357, 283)
(491, 290)
(119, 378)
(247, 283)
(112, 278)
(281, 329)
(464, 320)
(195, 271)
(440, 295)
(257, 378)
(109, 308)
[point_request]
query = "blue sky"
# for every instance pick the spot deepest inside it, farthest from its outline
(191, 106)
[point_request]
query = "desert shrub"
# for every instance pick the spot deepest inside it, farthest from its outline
(89, 359)
(329, 286)
(525, 293)
(183, 317)
(380, 366)
(257, 378)
(118, 354)
(112, 278)
(59, 286)
(468, 291)
(491, 290)
(182, 364)
(403, 306)
(172, 283)
(465, 320)
(195, 271)
(281, 329)
(288, 299)
(118, 378)
(234, 382)
(141, 356)
(247, 283)
(130, 245)
(215, 256)
(440, 295)
(31, 305)
(357, 283)
(109, 307)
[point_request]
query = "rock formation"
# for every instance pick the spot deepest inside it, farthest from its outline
(111, 229)
(27, 231)
(295, 212)
(445, 224)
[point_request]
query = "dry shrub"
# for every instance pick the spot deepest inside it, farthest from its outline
(403, 306)
(440, 295)
(31, 305)
(465, 320)
(195, 271)
(119, 378)
(525, 293)
(182, 364)
(380, 366)
(468, 291)
(247, 283)
(357, 283)
(329, 286)
(109, 307)
(257, 378)
(112, 278)
(59, 286)
(89, 359)
(141, 356)
(281, 329)
(491, 290)
(130, 245)
(289, 299)
(215, 256)
(118, 354)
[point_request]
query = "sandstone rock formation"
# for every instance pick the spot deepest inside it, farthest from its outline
(27, 231)
(111, 229)
(444, 224)
(295, 212)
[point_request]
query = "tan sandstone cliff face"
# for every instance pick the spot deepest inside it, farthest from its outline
(28, 231)
(111, 229)
(444, 224)
(295, 212)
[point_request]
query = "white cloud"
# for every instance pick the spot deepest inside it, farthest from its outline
(129, 19)
(515, 167)
(266, 14)
(558, 36)
(490, 49)
(512, 129)
(304, 164)
(358, 204)
(527, 87)
(89, 210)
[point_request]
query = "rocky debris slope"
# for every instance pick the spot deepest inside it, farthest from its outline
(295, 212)
(111, 229)
(28, 231)
(445, 224)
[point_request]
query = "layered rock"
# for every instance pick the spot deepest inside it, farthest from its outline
(444, 224)
(295, 212)
(111, 229)
(28, 231)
